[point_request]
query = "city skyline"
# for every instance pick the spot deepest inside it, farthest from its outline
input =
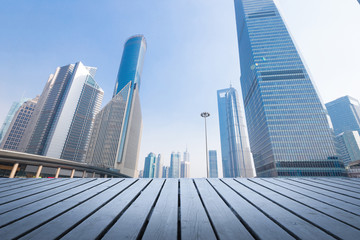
(165, 63)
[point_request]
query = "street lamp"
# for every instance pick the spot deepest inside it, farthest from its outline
(205, 115)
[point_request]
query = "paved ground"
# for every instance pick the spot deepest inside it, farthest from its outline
(268, 208)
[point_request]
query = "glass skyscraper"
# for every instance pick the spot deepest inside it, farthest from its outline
(345, 114)
(235, 151)
(348, 143)
(289, 129)
(115, 140)
(18, 125)
(66, 113)
(150, 166)
(175, 167)
(213, 164)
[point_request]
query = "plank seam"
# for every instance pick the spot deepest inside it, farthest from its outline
(179, 213)
(289, 210)
(107, 228)
(329, 185)
(143, 228)
(206, 211)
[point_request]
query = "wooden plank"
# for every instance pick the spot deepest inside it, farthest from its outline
(342, 182)
(56, 227)
(326, 223)
(194, 221)
(286, 219)
(23, 182)
(34, 219)
(32, 190)
(315, 195)
(335, 185)
(163, 222)
(349, 196)
(304, 185)
(260, 224)
(225, 223)
(131, 222)
(69, 185)
(95, 224)
(336, 213)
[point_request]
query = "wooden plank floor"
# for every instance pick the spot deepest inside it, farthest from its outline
(268, 208)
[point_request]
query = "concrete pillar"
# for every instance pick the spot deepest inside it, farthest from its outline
(84, 174)
(38, 171)
(57, 172)
(72, 173)
(93, 175)
(13, 170)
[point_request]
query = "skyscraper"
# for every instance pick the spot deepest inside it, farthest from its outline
(288, 126)
(345, 114)
(185, 165)
(165, 171)
(158, 167)
(13, 109)
(115, 140)
(149, 166)
(66, 113)
(17, 127)
(213, 164)
(174, 171)
(348, 143)
(235, 151)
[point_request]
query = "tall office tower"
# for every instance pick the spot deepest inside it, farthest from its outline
(174, 171)
(149, 166)
(70, 103)
(115, 139)
(185, 165)
(349, 146)
(289, 129)
(165, 171)
(236, 156)
(13, 109)
(158, 167)
(213, 164)
(19, 123)
(345, 114)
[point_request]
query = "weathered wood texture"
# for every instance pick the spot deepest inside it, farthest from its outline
(268, 208)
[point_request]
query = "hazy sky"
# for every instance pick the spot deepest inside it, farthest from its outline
(192, 52)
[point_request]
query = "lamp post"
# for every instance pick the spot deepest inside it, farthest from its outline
(205, 115)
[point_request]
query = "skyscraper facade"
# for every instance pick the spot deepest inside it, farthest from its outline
(115, 140)
(149, 166)
(9, 117)
(345, 114)
(213, 164)
(19, 123)
(65, 120)
(185, 165)
(289, 129)
(165, 171)
(175, 167)
(235, 151)
(158, 166)
(348, 143)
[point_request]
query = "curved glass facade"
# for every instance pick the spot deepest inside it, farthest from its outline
(289, 129)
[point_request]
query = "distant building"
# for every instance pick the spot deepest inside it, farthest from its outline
(213, 168)
(65, 115)
(158, 167)
(345, 114)
(13, 109)
(175, 167)
(141, 174)
(17, 127)
(185, 165)
(289, 128)
(115, 139)
(237, 160)
(165, 171)
(349, 146)
(149, 166)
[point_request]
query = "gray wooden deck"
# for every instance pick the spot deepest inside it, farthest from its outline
(297, 208)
